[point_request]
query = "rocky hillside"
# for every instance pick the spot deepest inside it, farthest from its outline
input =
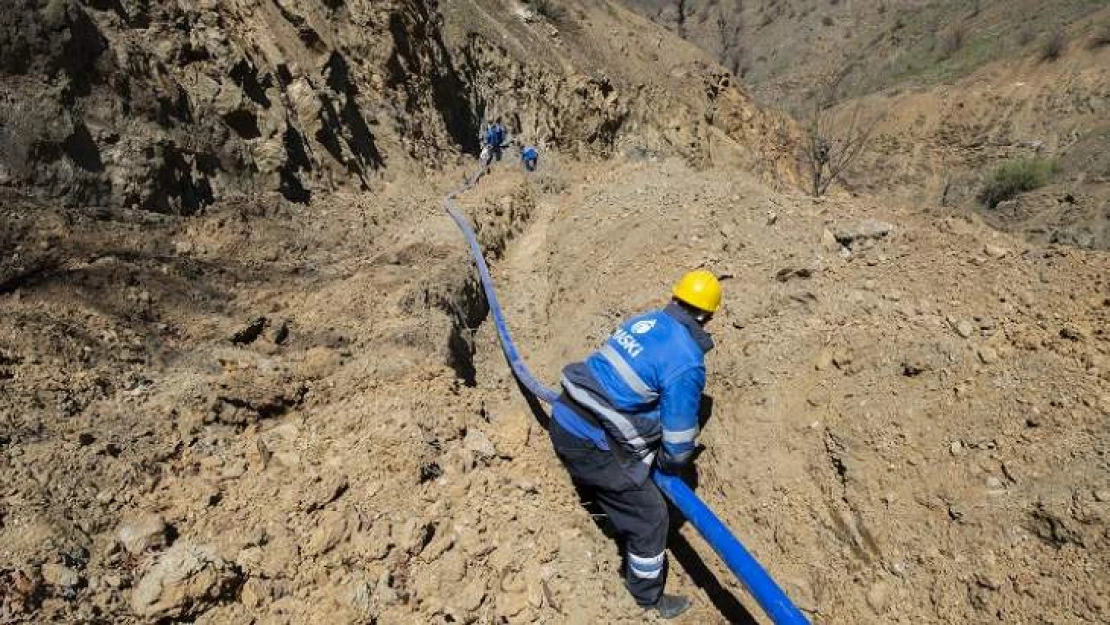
(954, 89)
(170, 107)
(246, 373)
(781, 48)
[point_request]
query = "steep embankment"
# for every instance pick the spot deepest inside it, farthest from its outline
(169, 107)
(658, 94)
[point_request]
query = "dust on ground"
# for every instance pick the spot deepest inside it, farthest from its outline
(909, 410)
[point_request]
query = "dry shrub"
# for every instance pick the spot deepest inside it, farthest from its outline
(952, 41)
(1054, 46)
(832, 143)
(1016, 176)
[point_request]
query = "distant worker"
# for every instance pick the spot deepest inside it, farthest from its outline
(495, 137)
(502, 134)
(631, 405)
(529, 156)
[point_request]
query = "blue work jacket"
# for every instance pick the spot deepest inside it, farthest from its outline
(643, 387)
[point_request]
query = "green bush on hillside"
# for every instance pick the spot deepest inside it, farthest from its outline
(1016, 176)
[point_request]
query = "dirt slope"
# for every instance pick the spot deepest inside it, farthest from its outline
(779, 48)
(914, 431)
(289, 409)
(281, 438)
(940, 144)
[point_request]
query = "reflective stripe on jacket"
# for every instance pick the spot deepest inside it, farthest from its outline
(644, 384)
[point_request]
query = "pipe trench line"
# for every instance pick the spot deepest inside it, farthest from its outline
(774, 602)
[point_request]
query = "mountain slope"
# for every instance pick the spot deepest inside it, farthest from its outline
(781, 48)
(171, 108)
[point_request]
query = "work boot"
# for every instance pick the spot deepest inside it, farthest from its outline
(670, 606)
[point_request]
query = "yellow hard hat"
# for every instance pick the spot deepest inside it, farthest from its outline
(699, 289)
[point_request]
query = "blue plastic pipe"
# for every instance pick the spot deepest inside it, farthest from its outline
(742, 563)
(515, 361)
(754, 577)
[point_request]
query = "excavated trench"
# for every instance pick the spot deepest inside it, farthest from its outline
(497, 221)
(476, 358)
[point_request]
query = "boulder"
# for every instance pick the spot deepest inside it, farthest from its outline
(183, 582)
(477, 442)
(988, 355)
(865, 230)
(62, 578)
(963, 327)
(995, 251)
(140, 533)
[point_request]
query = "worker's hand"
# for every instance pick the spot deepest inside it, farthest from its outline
(664, 464)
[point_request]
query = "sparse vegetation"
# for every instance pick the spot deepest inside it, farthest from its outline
(1054, 46)
(832, 143)
(1016, 176)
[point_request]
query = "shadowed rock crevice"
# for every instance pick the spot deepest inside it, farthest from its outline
(120, 88)
(420, 49)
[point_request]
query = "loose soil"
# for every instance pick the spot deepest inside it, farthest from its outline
(254, 406)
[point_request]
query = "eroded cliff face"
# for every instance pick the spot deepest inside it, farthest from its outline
(169, 106)
(594, 79)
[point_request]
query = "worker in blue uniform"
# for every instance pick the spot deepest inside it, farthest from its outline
(495, 139)
(529, 157)
(632, 406)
